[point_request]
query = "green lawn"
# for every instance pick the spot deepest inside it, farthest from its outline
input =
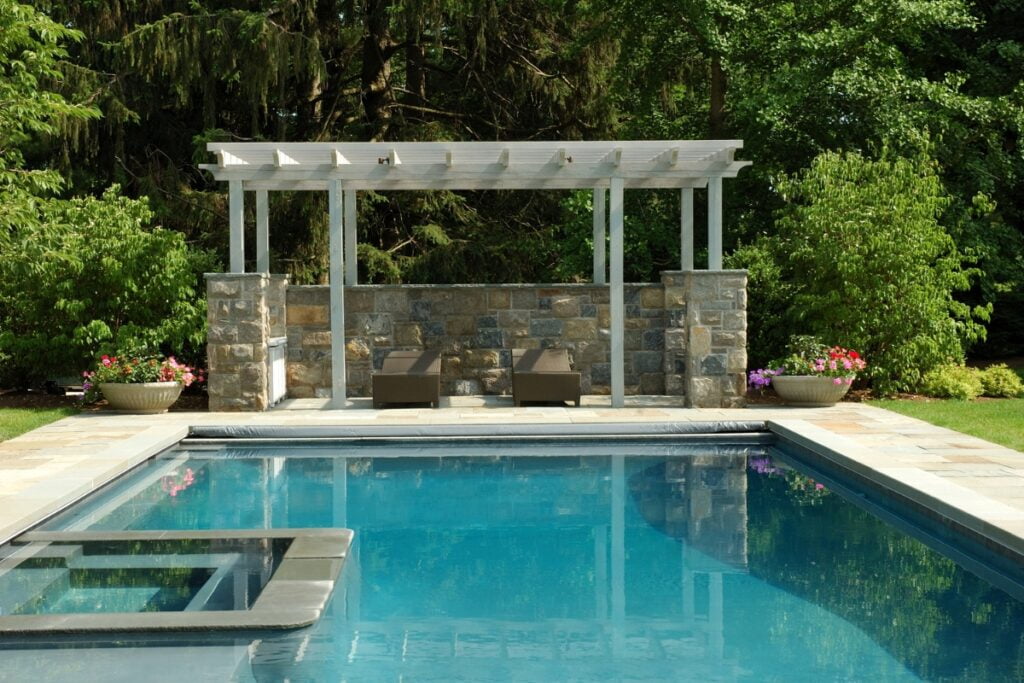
(15, 421)
(998, 420)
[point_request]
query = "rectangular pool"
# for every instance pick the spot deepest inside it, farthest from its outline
(611, 559)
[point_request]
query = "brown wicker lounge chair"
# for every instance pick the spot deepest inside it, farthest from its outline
(408, 377)
(543, 375)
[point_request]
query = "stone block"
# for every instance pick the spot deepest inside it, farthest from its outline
(489, 339)
(653, 340)
(494, 382)
(736, 361)
(591, 352)
(250, 332)
(702, 392)
(451, 367)
(601, 373)
(721, 339)
(484, 321)
(234, 353)
(633, 340)
(223, 289)
(675, 297)
(419, 310)
(433, 328)
(359, 300)
(524, 299)
(318, 338)
(471, 300)
(371, 324)
(391, 301)
(546, 327)
(307, 315)
(675, 385)
(710, 317)
(700, 340)
(305, 374)
(460, 325)
(652, 297)
(408, 334)
(508, 319)
(356, 350)
(652, 384)
(464, 387)
(221, 334)
(604, 315)
(713, 364)
(588, 310)
(581, 329)
(734, 320)
(649, 362)
(252, 376)
(499, 298)
(481, 358)
(223, 385)
(565, 307)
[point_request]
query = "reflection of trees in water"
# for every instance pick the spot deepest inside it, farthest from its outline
(699, 499)
(938, 619)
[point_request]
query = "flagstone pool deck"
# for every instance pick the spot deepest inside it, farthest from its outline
(969, 480)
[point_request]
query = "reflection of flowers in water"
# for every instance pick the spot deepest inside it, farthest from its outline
(173, 484)
(803, 489)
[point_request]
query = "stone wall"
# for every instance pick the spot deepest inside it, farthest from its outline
(685, 336)
(476, 327)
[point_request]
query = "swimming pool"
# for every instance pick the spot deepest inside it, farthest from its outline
(554, 560)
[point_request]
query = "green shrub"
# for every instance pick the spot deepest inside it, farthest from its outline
(952, 381)
(87, 276)
(999, 381)
(870, 267)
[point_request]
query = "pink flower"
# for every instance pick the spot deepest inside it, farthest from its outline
(837, 380)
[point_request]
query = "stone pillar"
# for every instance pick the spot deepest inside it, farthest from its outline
(716, 322)
(238, 320)
(277, 290)
(676, 337)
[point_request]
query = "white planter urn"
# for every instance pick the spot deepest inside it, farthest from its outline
(809, 391)
(146, 398)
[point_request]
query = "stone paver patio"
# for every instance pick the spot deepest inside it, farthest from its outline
(975, 482)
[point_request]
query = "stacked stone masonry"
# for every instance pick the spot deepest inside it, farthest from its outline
(685, 336)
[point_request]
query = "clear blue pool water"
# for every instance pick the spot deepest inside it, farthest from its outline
(596, 562)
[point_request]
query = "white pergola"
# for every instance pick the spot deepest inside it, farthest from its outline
(343, 168)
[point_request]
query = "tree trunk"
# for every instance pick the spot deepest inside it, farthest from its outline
(377, 96)
(716, 118)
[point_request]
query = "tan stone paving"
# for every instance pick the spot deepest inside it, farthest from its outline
(44, 470)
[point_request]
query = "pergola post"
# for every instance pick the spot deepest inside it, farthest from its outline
(618, 312)
(236, 214)
(351, 264)
(262, 233)
(686, 228)
(337, 284)
(600, 220)
(715, 223)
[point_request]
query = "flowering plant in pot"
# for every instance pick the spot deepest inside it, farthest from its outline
(139, 385)
(812, 375)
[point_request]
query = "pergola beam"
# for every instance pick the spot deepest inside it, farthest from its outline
(236, 218)
(351, 265)
(600, 221)
(262, 232)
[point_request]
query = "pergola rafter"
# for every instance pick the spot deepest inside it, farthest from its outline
(342, 168)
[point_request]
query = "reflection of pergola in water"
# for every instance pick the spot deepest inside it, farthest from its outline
(706, 509)
(343, 168)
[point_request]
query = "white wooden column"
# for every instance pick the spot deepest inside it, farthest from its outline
(686, 228)
(715, 223)
(600, 220)
(351, 265)
(618, 308)
(336, 270)
(236, 217)
(262, 233)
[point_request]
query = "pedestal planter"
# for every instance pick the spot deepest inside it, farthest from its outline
(809, 391)
(145, 398)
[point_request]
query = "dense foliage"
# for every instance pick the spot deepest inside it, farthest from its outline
(90, 276)
(868, 265)
(937, 83)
